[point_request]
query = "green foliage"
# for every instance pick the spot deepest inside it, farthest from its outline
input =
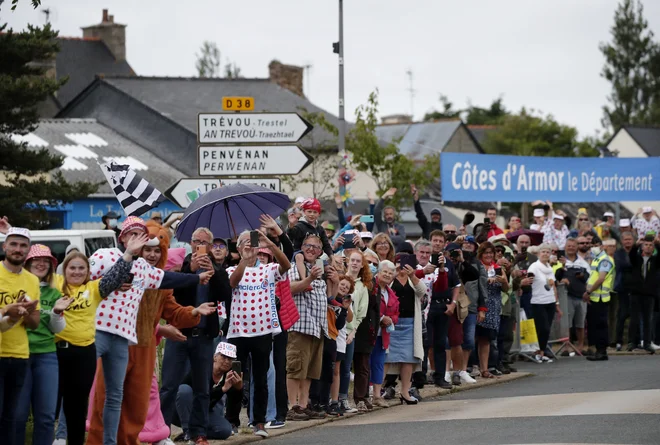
(493, 115)
(25, 182)
(447, 112)
(383, 161)
(632, 66)
(322, 172)
(529, 134)
(35, 4)
(209, 61)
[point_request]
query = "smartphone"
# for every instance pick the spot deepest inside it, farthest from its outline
(319, 264)
(254, 238)
(348, 243)
(530, 275)
(561, 253)
(232, 247)
(409, 260)
(486, 220)
(130, 278)
(367, 218)
(201, 250)
(236, 367)
(435, 258)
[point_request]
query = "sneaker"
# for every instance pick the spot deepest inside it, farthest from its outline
(448, 376)
(649, 349)
(275, 424)
(313, 414)
(201, 440)
(546, 359)
(475, 372)
(260, 431)
(334, 410)
(59, 442)
(503, 369)
(414, 392)
(370, 407)
(183, 437)
(296, 413)
(362, 407)
(166, 441)
(465, 377)
(510, 368)
(456, 380)
(655, 347)
(389, 393)
(442, 383)
(538, 358)
(346, 407)
(619, 346)
(496, 372)
(234, 430)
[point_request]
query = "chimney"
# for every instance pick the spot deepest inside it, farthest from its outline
(287, 76)
(111, 33)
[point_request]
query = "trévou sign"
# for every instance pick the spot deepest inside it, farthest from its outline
(491, 178)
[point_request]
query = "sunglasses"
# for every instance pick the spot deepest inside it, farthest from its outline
(219, 246)
(450, 232)
(311, 247)
(583, 219)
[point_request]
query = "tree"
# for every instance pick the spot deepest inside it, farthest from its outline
(322, 173)
(486, 116)
(28, 184)
(208, 61)
(14, 3)
(447, 112)
(530, 134)
(383, 162)
(632, 66)
(232, 71)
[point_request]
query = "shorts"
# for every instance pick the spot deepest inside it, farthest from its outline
(490, 334)
(455, 332)
(469, 325)
(340, 357)
(577, 312)
(304, 356)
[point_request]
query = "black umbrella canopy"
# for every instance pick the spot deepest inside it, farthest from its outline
(231, 209)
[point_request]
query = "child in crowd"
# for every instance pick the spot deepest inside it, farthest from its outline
(346, 288)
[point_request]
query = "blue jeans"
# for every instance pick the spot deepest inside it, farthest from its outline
(345, 371)
(113, 352)
(271, 410)
(60, 432)
(377, 363)
(12, 377)
(199, 352)
(218, 427)
(469, 326)
(40, 392)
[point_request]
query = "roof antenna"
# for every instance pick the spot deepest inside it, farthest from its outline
(412, 91)
(308, 78)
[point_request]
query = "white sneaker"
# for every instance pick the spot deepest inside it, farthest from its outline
(167, 441)
(347, 408)
(465, 377)
(655, 347)
(547, 359)
(59, 442)
(538, 358)
(448, 377)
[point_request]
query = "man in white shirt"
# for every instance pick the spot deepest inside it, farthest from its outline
(575, 276)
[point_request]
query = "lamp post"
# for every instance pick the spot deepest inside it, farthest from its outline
(606, 153)
(338, 48)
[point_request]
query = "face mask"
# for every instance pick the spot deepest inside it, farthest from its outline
(595, 250)
(373, 269)
(112, 223)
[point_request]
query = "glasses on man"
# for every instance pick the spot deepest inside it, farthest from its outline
(450, 232)
(311, 247)
(219, 246)
(584, 242)
(198, 242)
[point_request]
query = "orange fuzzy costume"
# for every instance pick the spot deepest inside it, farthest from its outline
(155, 304)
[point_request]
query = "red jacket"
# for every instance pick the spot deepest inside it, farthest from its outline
(288, 311)
(391, 309)
(494, 230)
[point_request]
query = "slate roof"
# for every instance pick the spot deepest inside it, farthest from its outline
(419, 139)
(181, 99)
(481, 131)
(648, 138)
(82, 60)
(85, 140)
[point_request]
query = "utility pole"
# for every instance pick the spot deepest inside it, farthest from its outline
(307, 67)
(338, 48)
(411, 90)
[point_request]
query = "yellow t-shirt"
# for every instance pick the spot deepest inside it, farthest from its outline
(80, 316)
(13, 286)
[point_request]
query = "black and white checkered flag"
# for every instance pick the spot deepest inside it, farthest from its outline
(135, 195)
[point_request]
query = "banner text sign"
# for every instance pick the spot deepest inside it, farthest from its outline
(492, 178)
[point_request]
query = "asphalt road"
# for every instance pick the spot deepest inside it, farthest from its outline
(571, 401)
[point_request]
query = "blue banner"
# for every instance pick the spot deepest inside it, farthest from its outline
(492, 178)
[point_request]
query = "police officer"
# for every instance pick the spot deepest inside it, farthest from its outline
(599, 286)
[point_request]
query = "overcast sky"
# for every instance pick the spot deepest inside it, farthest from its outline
(540, 54)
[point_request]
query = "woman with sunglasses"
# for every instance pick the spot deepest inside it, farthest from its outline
(382, 245)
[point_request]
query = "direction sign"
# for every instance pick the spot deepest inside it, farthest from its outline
(220, 160)
(177, 193)
(235, 103)
(255, 128)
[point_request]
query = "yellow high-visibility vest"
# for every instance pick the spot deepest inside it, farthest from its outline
(603, 292)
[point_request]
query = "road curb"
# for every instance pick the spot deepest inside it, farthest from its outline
(427, 393)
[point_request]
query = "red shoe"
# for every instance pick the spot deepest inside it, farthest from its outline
(201, 440)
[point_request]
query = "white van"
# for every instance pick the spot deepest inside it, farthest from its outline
(87, 241)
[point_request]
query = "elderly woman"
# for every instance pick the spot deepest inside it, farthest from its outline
(488, 328)
(406, 344)
(544, 299)
(389, 316)
(382, 245)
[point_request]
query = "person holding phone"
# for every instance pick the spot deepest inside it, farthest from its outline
(226, 378)
(253, 298)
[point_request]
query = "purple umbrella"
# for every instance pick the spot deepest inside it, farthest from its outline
(231, 209)
(535, 236)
